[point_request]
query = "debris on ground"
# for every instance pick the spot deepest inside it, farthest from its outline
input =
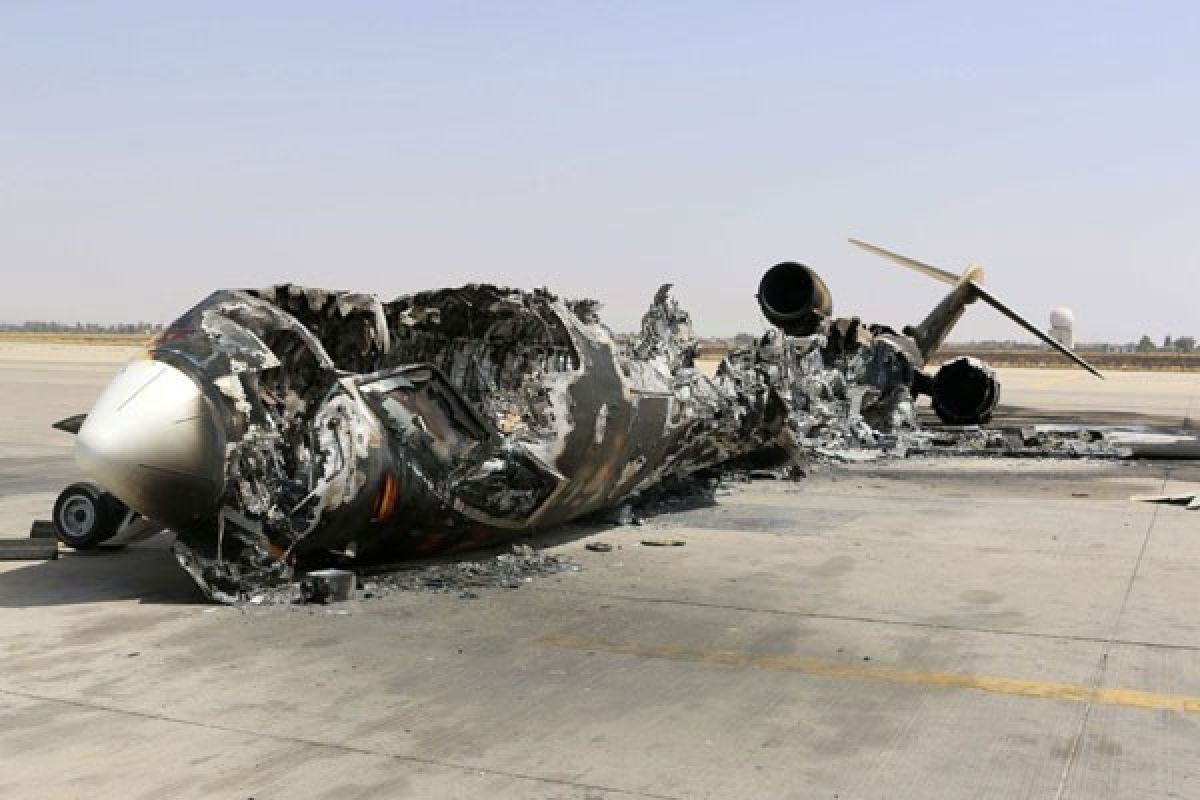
(328, 585)
(507, 570)
(663, 542)
(1190, 501)
(621, 515)
(28, 549)
(681, 493)
(599, 547)
(1146, 444)
(1049, 441)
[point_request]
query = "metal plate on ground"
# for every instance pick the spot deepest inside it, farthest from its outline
(28, 549)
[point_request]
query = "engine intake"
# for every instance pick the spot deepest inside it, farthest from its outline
(965, 392)
(794, 298)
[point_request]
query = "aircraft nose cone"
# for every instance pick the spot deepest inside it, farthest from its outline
(153, 439)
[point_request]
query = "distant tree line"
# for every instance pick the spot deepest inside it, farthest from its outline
(42, 326)
(1180, 344)
(1177, 344)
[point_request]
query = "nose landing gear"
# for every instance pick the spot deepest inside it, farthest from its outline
(86, 516)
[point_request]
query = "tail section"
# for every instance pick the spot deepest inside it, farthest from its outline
(968, 288)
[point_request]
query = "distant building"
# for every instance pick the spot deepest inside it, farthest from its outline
(1062, 326)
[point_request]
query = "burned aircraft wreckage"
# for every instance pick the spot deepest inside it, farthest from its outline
(277, 429)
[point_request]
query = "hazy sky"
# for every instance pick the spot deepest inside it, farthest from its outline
(152, 152)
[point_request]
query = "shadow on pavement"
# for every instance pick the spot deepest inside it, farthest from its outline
(146, 572)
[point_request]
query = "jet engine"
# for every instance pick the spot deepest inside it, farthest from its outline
(794, 298)
(965, 392)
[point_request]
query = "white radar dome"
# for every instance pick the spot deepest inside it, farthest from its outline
(1062, 317)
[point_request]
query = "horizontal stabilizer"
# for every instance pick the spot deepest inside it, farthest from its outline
(925, 269)
(994, 302)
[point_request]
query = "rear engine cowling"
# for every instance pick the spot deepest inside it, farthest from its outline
(794, 298)
(965, 392)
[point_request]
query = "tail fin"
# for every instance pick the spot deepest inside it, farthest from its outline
(967, 288)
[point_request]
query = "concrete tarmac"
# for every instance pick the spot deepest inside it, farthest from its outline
(940, 628)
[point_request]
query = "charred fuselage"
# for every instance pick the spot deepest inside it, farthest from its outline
(279, 428)
(274, 427)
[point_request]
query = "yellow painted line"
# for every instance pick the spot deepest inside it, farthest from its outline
(1129, 698)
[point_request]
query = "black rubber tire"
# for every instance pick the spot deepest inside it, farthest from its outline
(94, 516)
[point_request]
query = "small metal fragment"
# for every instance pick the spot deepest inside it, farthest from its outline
(327, 586)
(1189, 500)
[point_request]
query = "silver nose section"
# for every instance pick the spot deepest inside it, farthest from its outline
(154, 441)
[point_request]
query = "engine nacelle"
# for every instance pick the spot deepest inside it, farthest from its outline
(965, 392)
(794, 298)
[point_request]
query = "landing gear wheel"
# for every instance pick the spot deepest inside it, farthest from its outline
(85, 516)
